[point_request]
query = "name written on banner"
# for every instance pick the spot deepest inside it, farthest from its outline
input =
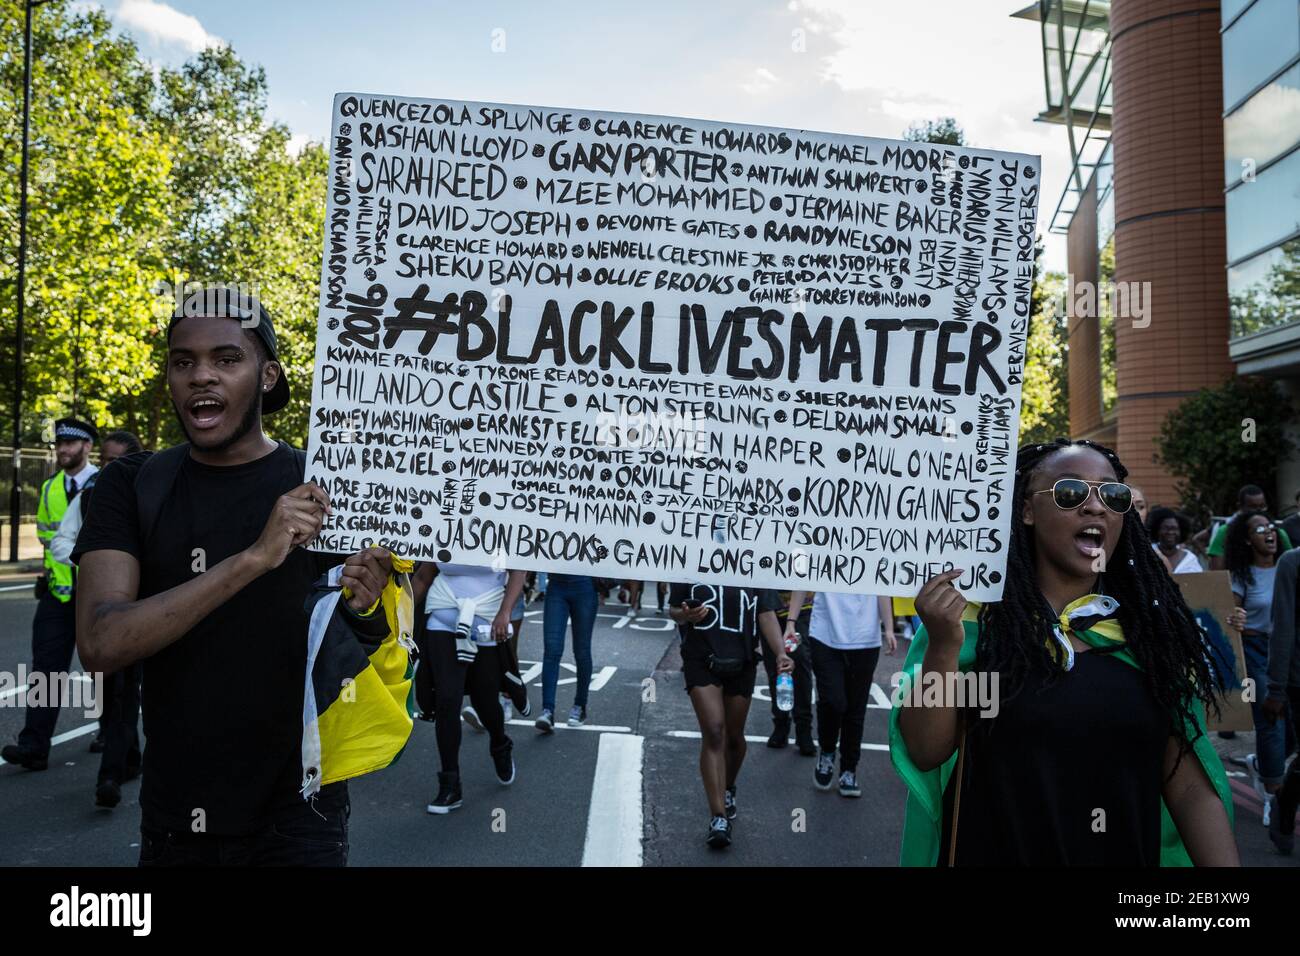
(669, 349)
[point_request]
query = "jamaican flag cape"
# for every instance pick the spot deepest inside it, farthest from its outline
(1091, 619)
(358, 697)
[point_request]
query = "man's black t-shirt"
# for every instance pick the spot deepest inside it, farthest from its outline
(223, 704)
(731, 630)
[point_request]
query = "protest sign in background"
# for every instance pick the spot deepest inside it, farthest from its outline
(667, 349)
(1209, 597)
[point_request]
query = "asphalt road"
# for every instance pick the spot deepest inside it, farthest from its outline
(625, 789)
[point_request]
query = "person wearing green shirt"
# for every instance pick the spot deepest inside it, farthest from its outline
(1249, 498)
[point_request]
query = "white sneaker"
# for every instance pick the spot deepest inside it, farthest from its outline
(507, 709)
(470, 716)
(1252, 762)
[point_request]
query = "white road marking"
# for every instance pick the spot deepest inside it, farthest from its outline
(16, 587)
(753, 739)
(70, 735)
(561, 725)
(879, 699)
(614, 825)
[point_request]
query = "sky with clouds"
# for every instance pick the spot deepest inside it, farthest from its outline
(867, 67)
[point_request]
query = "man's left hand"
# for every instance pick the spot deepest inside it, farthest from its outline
(365, 574)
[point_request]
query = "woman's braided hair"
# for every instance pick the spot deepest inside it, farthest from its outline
(1238, 554)
(1160, 631)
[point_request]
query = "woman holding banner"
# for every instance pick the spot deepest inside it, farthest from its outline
(1092, 750)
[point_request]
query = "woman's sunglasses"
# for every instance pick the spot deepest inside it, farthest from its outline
(1070, 493)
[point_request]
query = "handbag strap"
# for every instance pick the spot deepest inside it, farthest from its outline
(956, 798)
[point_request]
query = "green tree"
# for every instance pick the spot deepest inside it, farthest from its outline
(278, 242)
(1045, 392)
(945, 131)
(97, 191)
(1222, 438)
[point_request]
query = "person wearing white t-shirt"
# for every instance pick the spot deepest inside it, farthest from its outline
(845, 633)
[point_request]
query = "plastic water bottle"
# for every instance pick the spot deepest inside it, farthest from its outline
(784, 692)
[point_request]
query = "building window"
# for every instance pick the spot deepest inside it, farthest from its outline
(1231, 8)
(1262, 41)
(1265, 212)
(1264, 292)
(1262, 128)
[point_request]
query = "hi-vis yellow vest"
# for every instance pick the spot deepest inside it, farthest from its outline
(49, 513)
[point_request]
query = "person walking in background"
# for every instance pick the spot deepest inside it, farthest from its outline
(1168, 529)
(569, 597)
(719, 627)
(802, 713)
(469, 610)
(1282, 702)
(1250, 551)
(1250, 498)
(54, 628)
(846, 633)
(118, 724)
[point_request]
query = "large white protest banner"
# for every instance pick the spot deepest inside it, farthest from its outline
(665, 349)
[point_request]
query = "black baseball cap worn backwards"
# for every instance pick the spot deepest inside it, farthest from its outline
(230, 302)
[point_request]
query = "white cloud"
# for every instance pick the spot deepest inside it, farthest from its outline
(165, 24)
(760, 81)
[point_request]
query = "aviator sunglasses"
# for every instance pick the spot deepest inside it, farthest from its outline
(1071, 493)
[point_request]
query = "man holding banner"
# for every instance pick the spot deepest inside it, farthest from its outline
(192, 560)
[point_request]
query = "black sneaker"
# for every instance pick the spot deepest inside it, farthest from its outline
(803, 739)
(24, 758)
(729, 803)
(719, 833)
(824, 772)
(504, 762)
(780, 735)
(1285, 842)
(97, 745)
(546, 722)
(448, 798)
(849, 784)
(108, 794)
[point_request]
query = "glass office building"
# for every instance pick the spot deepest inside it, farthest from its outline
(1183, 120)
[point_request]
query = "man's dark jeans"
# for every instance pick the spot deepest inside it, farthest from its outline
(301, 835)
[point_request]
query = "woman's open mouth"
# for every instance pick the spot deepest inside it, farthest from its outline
(1089, 540)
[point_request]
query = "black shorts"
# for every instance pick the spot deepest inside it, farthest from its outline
(697, 674)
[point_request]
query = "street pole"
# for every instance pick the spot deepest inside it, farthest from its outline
(15, 494)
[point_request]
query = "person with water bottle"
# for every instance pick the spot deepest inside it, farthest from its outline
(720, 628)
(845, 634)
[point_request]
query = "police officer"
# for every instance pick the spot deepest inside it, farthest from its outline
(54, 628)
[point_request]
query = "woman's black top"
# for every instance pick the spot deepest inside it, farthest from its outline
(1068, 773)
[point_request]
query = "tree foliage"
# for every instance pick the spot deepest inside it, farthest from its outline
(944, 131)
(141, 181)
(1225, 437)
